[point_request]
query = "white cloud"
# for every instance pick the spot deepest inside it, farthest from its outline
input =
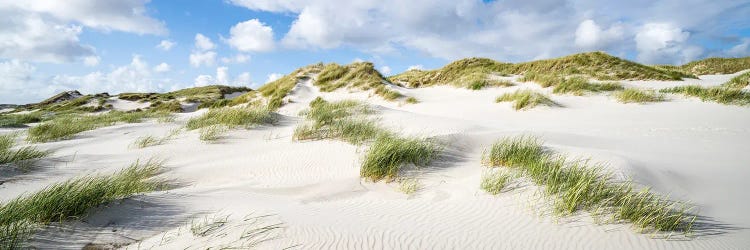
(385, 70)
(273, 77)
(162, 67)
(589, 35)
(658, 43)
(203, 43)
(740, 50)
(32, 37)
(251, 35)
(222, 77)
(271, 5)
(91, 61)
(122, 15)
(207, 58)
(165, 45)
(203, 53)
(239, 58)
(358, 60)
(415, 67)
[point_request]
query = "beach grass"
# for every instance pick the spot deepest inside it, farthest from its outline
(715, 65)
(412, 100)
(723, 95)
(580, 86)
(233, 117)
(150, 140)
(212, 133)
(738, 82)
(388, 154)
(344, 120)
(21, 157)
(495, 182)
(576, 185)
(19, 120)
(66, 126)
(409, 186)
(638, 96)
(526, 99)
(73, 199)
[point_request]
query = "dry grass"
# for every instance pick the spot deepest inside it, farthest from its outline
(738, 82)
(638, 96)
(729, 96)
(345, 120)
(66, 126)
(233, 117)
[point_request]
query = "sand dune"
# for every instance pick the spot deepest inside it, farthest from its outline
(311, 196)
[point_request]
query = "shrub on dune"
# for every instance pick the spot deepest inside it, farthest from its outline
(526, 99)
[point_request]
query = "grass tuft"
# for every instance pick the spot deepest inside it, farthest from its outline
(579, 86)
(66, 126)
(338, 120)
(409, 186)
(729, 96)
(388, 154)
(575, 185)
(412, 100)
(738, 82)
(526, 99)
(22, 157)
(638, 96)
(19, 120)
(495, 182)
(233, 117)
(72, 199)
(212, 133)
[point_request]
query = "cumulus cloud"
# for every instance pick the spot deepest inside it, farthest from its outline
(590, 35)
(505, 30)
(740, 50)
(203, 53)
(165, 45)
(251, 36)
(162, 67)
(222, 77)
(664, 43)
(91, 61)
(239, 58)
(48, 30)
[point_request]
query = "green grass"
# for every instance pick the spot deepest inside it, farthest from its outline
(412, 100)
(463, 73)
(715, 65)
(495, 182)
(343, 120)
(21, 157)
(233, 117)
(72, 199)
(355, 76)
(579, 86)
(212, 133)
(19, 120)
(738, 82)
(150, 140)
(66, 126)
(578, 185)
(728, 96)
(388, 154)
(526, 99)
(638, 96)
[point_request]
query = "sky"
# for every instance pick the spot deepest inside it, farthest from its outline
(115, 46)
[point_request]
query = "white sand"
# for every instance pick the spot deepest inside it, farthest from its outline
(692, 150)
(125, 105)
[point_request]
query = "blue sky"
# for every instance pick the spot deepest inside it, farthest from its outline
(112, 45)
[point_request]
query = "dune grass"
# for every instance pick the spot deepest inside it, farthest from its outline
(738, 82)
(66, 126)
(344, 120)
(72, 199)
(728, 96)
(576, 185)
(275, 91)
(19, 120)
(526, 99)
(21, 157)
(212, 133)
(355, 76)
(579, 86)
(409, 186)
(150, 140)
(716, 65)
(412, 100)
(495, 182)
(233, 117)
(388, 154)
(465, 73)
(638, 96)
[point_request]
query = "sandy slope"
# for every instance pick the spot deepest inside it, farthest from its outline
(692, 150)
